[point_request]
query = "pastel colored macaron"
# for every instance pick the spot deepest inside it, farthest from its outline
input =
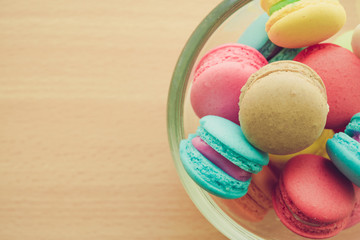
(355, 214)
(355, 41)
(257, 202)
(220, 159)
(283, 107)
(339, 69)
(301, 23)
(344, 150)
(313, 198)
(255, 36)
(218, 78)
(353, 128)
(317, 148)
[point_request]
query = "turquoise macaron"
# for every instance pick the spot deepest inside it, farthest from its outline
(226, 139)
(256, 36)
(353, 128)
(344, 150)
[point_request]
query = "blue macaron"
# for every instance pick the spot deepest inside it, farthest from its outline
(227, 139)
(256, 36)
(353, 128)
(285, 54)
(344, 150)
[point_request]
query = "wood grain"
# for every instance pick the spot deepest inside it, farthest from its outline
(83, 142)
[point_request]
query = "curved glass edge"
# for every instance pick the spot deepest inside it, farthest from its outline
(175, 125)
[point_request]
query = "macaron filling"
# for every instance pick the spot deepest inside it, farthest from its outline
(232, 156)
(301, 220)
(219, 160)
(209, 176)
(280, 5)
(357, 137)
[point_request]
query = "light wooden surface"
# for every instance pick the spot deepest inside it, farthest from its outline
(83, 141)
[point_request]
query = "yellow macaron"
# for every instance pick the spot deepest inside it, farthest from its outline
(317, 148)
(301, 23)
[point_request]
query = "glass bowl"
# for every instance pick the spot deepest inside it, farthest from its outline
(225, 24)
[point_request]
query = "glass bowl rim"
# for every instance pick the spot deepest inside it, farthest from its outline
(175, 124)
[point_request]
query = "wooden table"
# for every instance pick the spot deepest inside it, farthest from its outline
(83, 140)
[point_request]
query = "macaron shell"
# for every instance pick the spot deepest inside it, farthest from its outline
(353, 128)
(217, 90)
(219, 77)
(315, 186)
(283, 108)
(256, 28)
(355, 42)
(228, 139)
(305, 23)
(207, 175)
(255, 36)
(344, 152)
(232, 52)
(300, 228)
(334, 63)
(313, 199)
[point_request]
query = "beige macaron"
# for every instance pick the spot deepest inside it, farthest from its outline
(283, 107)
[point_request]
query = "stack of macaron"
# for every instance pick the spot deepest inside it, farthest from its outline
(279, 114)
(219, 158)
(313, 198)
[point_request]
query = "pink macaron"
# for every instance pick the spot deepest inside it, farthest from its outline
(355, 214)
(313, 198)
(219, 77)
(339, 69)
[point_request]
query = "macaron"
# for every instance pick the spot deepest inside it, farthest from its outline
(317, 148)
(255, 36)
(220, 159)
(301, 23)
(355, 214)
(353, 128)
(218, 78)
(339, 68)
(313, 198)
(283, 107)
(257, 202)
(355, 41)
(344, 150)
